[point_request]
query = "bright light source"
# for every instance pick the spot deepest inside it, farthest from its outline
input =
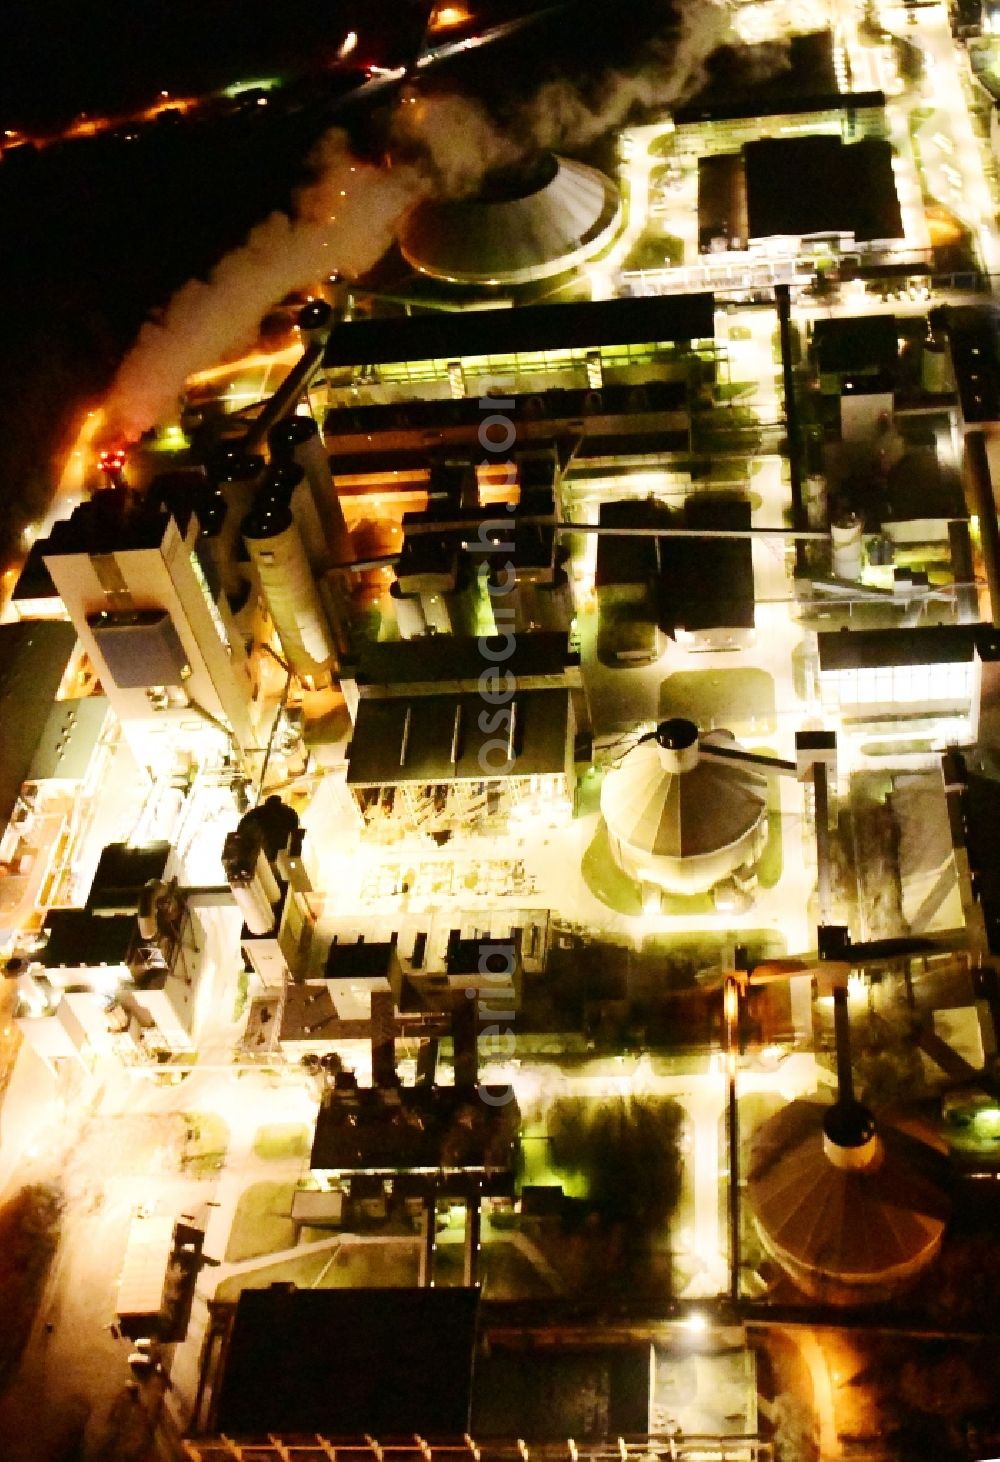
(449, 15)
(348, 44)
(695, 1322)
(987, 1122)
(264, 83)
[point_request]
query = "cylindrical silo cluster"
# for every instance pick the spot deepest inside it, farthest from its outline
(285, 482)
(274, 543)
(297, 439)
(236, 476)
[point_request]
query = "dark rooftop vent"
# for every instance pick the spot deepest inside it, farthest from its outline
(315, 315)
(676, 734)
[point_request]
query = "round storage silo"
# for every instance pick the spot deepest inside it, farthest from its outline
(852, 1210)
(277, 553)
(848, 546)
(286, 482)
(237, 475)
(298, 439)
(678, 821)
(544, 217)
(315, 321)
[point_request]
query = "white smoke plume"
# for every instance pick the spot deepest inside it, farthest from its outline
(463, 142)
(345, 219)
(673, 71)
(456, 136)
(342, 223)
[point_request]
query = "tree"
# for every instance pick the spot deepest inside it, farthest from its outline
(628, 1152)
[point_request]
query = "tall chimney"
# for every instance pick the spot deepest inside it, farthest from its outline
(849, 1136)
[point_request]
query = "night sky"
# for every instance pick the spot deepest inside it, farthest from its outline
(100, 232)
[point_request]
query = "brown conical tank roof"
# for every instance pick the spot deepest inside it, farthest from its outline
(857, 1227)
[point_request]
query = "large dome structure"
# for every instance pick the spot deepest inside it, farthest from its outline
(679, 821)
(851, 1210)
(528, 223)
(852, 1214)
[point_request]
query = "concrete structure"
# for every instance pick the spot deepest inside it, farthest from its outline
(524, 224)
(278, 554)
(852, 1210)
(440, 762)
(130, 578)
(679, 822)
(34, 659)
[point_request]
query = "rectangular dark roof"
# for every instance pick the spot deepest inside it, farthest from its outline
(555, 1391)
(382, 1362)
(934, 644)
(113, 521)
(819, 185)
(461, 657)
(122, 873)
(34, 580)
(722, 200)
(981, 825)
(973, 342)
(140, 647)
(79, 939)
(360, 960)
(558, 405)
(489, 954)
(625, 560)
(708, 583)
(777, 106)
(33, 659)
(855, 343)
(412, 738)
(454, 334)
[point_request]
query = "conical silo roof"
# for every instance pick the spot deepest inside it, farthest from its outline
(537, 225)
(839, 1230)
(652, 808)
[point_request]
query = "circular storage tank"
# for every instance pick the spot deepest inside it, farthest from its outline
(848, 547)
(297, 439)
(314, 320)
(677, 820)
(526, 224)
(850, 1210)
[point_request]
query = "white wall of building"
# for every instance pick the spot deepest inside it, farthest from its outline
(162, 578)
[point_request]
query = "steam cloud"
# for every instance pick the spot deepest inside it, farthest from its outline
(345, 219)
(343, 222)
